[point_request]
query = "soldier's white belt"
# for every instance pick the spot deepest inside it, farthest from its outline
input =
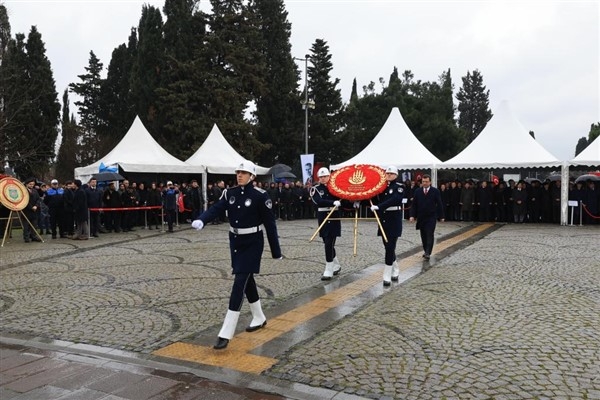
(321, 209)
(395, 208)
(245, 231)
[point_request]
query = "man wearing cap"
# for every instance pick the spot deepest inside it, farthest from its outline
(325, 201)
(389, 209)
(56, 206)
(169, 195)
(427, 208)
(31, 212)
(249, 210)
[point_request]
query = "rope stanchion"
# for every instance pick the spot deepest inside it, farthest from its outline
(589, 213)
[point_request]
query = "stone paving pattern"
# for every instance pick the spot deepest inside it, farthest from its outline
(514, 315)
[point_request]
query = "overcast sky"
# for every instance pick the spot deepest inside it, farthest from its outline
(541, 56)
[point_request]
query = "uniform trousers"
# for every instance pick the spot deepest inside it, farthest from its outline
(390, 249)
(243, 283)
(329, 242)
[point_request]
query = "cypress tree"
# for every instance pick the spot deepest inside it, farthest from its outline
(473, 106)
(66, 160)
(91, 113)
(325, 121)
(278, 114)
(148, 67)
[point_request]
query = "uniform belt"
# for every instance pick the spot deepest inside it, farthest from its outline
(395, 208)
(245, 231)
(321, 209)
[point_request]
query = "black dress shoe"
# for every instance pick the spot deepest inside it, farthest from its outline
(257, 327)
(221, 343)
(387, 283)
(394, 279)
(427, 256)
(325, 278)
(36, 239)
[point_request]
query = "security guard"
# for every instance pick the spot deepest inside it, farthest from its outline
(249, 209)
(325, 201)
(389, 210)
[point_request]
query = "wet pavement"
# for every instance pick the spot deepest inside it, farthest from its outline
(504, 311)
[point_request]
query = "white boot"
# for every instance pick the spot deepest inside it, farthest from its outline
(328, 272)
(387, 275)
(336, 266)
(395, 271)
(258, 318)
(228, 329)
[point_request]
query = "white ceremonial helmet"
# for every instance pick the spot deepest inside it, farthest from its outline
(247, 166)
(323, 172)
(391, 170)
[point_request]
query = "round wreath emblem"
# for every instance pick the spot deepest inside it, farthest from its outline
(357, 182)
(13, 194)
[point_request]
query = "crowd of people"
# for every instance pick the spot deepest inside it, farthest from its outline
(63, 210)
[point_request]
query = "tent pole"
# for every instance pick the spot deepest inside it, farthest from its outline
(564, 193)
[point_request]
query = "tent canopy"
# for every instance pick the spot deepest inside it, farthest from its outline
(503, 143)
(138, 152)
(396, 145)
(590, 156)
(217, 156)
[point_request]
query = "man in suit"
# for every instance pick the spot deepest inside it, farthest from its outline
(427, 208)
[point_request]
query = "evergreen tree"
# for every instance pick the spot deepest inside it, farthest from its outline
(325, 123)
(182, 96)
(594, 132)
(582, 143)
(91, 111)
(29, 106)
(118, 109)
(148, 67)
(278, 113)
(235, 74)
(473, 106)
(532, 134)
(66, 160)
(5, 37)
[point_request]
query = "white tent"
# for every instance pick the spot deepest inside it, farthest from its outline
(503, 143)
(396, 145)
(590, 156)
(217, 156)
(138, 152)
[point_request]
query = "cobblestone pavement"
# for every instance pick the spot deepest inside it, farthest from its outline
(514, 315)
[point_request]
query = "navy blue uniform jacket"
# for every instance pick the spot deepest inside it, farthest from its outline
(247, 207)
(427, 209)
(324, 201)
(390, 210)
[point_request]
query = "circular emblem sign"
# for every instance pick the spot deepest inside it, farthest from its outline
(357, 182)
(13, 194)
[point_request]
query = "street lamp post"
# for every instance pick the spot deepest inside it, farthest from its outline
(306, 103)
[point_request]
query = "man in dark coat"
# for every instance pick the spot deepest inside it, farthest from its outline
(196, 199)
(249, 209)
(169, 196)
(325, 201)
(80, 209)
(519, 203)
(94, 201)
(389, 210)
(427, 208)
(31, 212)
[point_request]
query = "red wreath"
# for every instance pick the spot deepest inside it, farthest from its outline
(357, 182)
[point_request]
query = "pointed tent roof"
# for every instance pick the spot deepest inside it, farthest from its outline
(590, 156)
(503, 143)
(217, 156)
(139, 152)
(396, 145)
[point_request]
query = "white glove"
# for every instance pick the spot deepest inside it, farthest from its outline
(337, 203)
(197, 224)
(357, 204)
(374, 208)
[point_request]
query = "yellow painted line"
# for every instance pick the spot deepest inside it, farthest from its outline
(236, 356)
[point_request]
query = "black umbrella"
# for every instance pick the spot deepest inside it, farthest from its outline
(285, 174)
(531, 180)
(554, 178)
(584, 178)
(107, 176)
(278, 168)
